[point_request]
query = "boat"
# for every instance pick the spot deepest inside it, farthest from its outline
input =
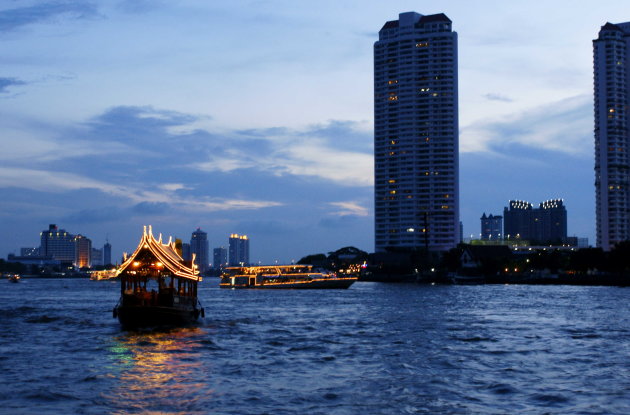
(105, 274)
(283, 276)
(157, 287)
(14, 278)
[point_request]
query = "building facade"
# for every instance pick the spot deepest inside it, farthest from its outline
(547, 223)
(491, 227)
(416, 139)
(82, 252)
(219, 257)
(58, 244)
(199, 247)
(611, 55)
(96, 258)
(107, 254)
(239, 250)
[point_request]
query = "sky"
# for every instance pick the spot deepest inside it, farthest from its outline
(256, 117)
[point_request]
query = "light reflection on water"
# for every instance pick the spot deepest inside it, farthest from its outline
(159, 372)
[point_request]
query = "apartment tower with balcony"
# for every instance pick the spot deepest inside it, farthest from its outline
(611, 51)
(416, 139)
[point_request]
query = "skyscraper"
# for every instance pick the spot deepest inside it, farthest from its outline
(239, 250)
(545, 224)
(199, 247)
(611, 51)
(107, 253)
(416, 139)
(82, 251)
(219, 257)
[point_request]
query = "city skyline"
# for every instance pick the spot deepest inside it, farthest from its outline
(126, 114)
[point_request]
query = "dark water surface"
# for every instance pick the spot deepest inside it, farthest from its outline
(372, 349)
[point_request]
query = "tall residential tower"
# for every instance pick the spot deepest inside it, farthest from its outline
(611, 51)
(239, 250)
(416, 139)
(199, 247)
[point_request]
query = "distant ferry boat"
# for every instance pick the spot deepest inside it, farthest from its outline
(282, 276)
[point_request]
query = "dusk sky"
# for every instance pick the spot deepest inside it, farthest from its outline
(256, 117)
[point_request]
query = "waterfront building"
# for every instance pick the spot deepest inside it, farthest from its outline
(199, 247)
(491, 226)
(547, 223)
(416, 139)
(83, 252)
(58, 244)
(107, 253)
(219, 257)
(611, 55)
(239, 250)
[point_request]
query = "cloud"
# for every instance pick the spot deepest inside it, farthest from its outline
(5, 83)
(335, 151)
(151, 208)
(349, 208)
(497, 97)
(564, 126)
(11, 19)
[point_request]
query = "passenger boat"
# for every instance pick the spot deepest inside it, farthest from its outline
(282, 276)
(157, 287)
(14, 278)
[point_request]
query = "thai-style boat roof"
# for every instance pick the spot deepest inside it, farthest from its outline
(166, 254)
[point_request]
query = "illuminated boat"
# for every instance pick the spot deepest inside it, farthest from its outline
(14, 278)
(157, 287)
(282, 276)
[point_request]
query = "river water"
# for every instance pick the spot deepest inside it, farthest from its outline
(372, 349)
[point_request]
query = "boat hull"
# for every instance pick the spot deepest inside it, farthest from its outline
(341, 283)
(156, 316)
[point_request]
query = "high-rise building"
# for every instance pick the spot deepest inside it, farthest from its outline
(83, 252)
(58, 244)
(416, 138)
(219, 257)
(547, 223)
(186, 252)
(199, 247)
(107, 253)
(491, 227)
(611, 51)
(239, 250)
(96, 258)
